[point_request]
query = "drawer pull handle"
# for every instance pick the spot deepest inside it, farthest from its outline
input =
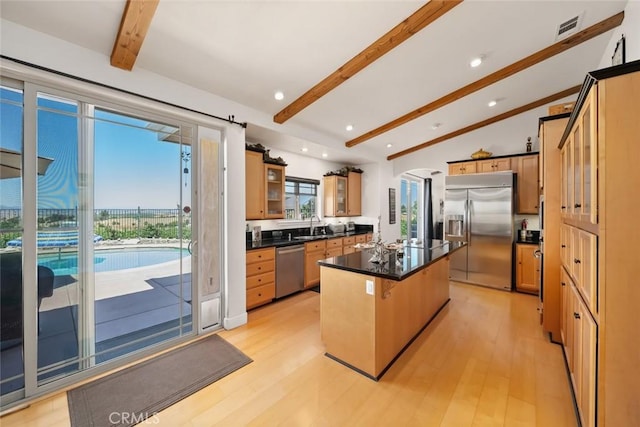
(259, 295)
(564, 284)
(577, 205)
(577, 261)
(576, 315)
(563, 246)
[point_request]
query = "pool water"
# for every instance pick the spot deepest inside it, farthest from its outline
(111, 260)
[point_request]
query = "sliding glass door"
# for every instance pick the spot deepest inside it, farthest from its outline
(97, 220)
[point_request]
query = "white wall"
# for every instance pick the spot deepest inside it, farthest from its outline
(630, 27)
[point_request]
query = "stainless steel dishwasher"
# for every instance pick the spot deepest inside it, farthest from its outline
(289, 270)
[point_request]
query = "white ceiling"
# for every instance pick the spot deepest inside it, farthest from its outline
(246, 50)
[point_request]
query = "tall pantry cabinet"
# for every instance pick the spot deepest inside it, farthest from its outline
(550, 131)
(600, 295)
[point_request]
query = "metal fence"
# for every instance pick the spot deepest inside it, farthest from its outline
(110, 224)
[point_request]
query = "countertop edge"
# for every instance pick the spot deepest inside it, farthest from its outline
(398, 278)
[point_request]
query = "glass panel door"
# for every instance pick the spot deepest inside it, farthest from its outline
(11, 217)
(142, 225)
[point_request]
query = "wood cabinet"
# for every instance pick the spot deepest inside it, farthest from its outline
(335, 195)
(323, 249)
(264, 188)
(348, 245)
(525, 166)
(579, 182)
(549, 133)
(579, 332)
(527, 183)
(599, 153)
(261, 277)
(527, 269)
(462, 168)
(254, 185)
(354, 194)
(494, 165)
(343, 195)
(313, 252)
(274, 197)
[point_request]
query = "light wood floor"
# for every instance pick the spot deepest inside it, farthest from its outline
(483, 361)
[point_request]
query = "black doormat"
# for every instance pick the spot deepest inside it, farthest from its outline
(137, 393)
(315, 289)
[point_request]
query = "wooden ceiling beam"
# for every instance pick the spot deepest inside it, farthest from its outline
(134, 25)
(478, 125)
(398, 34)
(546, 53)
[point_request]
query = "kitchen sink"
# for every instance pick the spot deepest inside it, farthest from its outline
(307, 237)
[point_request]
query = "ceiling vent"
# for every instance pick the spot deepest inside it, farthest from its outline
(569, 27)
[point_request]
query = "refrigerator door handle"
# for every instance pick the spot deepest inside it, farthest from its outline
(467, 216)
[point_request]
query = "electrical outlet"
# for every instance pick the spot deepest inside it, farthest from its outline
(369, 287)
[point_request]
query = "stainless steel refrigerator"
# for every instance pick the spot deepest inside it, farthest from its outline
(478, 209)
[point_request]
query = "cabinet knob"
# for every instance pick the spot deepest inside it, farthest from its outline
(563, 284)
(576, 315)
(259, 295)
(563, 246)
(563, 207)
(577, 205)
(576, 261)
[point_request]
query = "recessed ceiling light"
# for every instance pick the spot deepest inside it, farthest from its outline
(279, 95)
(436, 126)
(389, 145)
(492, 103)
(475, 62)
(324, 154)
(349, 128)
(305, 149)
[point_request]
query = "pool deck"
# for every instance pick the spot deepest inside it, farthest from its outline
(126, 301)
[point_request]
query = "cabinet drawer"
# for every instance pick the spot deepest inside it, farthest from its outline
(260, 295)
(315, 246)
(260, 267)
(261, 279)
(349, 249)
(260, 255)
(348, 240)
(334, 243)
(334, 252)
(361, 238)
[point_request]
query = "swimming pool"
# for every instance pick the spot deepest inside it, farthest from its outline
(111, 259)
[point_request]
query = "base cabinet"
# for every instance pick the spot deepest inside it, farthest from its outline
(527, 269)
(579, 331)
(261, 277)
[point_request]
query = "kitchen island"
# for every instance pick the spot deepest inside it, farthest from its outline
(371, 312)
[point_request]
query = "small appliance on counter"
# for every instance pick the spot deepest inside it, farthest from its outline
(350, 227)
(337, 228)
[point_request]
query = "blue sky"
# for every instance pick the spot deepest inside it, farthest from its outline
(132, 166)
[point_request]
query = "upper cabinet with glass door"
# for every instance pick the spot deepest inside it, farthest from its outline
(579, 173)
(335, 195)
(264, 187)
(274, 179)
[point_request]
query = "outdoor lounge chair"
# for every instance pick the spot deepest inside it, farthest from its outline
(11, 294)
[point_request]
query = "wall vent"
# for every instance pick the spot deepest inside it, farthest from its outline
(569, 27)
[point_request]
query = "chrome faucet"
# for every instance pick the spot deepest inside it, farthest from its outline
(311, 229)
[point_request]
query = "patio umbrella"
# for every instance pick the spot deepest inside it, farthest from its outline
(11, 164)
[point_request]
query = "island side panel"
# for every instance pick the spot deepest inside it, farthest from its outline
(347, 317)
(406, 308)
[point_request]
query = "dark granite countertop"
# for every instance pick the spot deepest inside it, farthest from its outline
(527, 241)
(416, 257)
(281, 242)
